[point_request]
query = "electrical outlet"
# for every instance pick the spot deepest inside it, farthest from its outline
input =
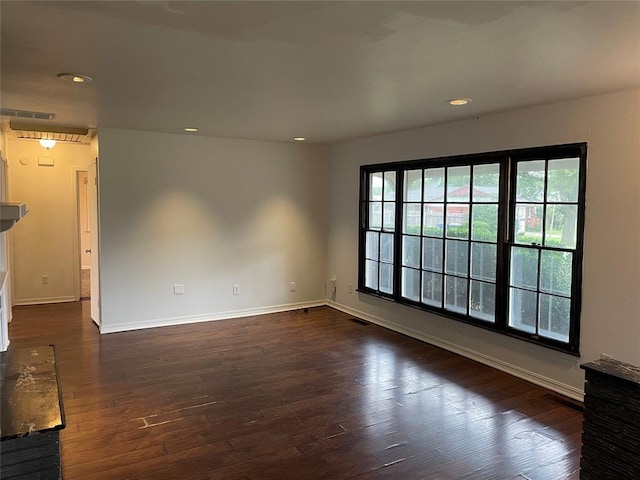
(236, 289)
(178, 289)
(45, 279)
(606, 356)
(350, 287)
(292, 286)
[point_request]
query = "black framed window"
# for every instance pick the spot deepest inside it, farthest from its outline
(379, 257)
(490, 239)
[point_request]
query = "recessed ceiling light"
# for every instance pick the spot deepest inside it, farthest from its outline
(75, 77)
(459, 101)
(190, 129)
(299, 139)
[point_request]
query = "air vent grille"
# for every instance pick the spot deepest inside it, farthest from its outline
(10, 112)
(59, 137)
(60, 134)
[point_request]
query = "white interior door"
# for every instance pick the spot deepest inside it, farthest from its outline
(92, 203)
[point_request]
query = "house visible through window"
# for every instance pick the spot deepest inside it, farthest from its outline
(492, 239)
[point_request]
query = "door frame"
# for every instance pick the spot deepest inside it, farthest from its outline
(77, 264)
(77, 257)
(93, 205)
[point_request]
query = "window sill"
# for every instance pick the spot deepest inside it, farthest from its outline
(479, 323)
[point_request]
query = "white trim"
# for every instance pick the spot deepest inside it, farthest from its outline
(44, 300)
(75, 234)
(528, 375)
(209, 317)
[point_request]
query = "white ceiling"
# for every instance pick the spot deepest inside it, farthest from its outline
(325, 70)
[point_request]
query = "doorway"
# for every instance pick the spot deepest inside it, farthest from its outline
(84, 234)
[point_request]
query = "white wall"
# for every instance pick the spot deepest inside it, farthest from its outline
(611, 285)
(207, 213)
(45, 241)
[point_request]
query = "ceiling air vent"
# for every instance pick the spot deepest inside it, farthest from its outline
(59, 134)
(10, 112)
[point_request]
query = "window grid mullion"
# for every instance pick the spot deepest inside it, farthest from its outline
(537, 319)
(420, 232)
(544, 203)
(545, 186)
(504, 244)
(505, 212)
(470, 223)
(445, 200)
(397, 234)
(380, 247)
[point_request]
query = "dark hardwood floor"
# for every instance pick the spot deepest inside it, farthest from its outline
(291, 396)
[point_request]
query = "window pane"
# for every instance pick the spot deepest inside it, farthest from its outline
(562, 180)
(389, 185)
(375, 215)
(528, 225)
(375, 185)
(458, 184)
(485, 223)
(411, 251)
(411, 284)
(483, 301)
(386, 278)
(561, 226)
(389, 216)
(457, 259)
(458, 220)
(524, 267)
(530, 181)
(371, 245)
(456, 294)
(486, 180)
(433, 219)
(483, 261)
(412, 185)
(522, 310)
(432, 254)
(371, 274)
(436, 231)
(434, 185)
(411, 218)
(555, 272)
(554, 317)
(432, 289)
(386, 247)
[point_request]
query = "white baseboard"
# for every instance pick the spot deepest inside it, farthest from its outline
(208, 317)
(43, 300)
(528, 375)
